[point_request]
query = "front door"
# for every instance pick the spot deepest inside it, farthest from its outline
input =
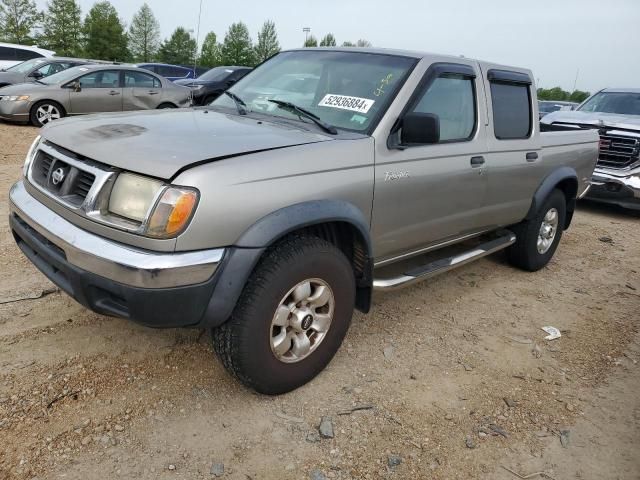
(100, 91)
(430, 193)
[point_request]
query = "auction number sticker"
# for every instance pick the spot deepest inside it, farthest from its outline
(344, 102)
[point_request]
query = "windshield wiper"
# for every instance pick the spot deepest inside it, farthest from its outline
(238, 101)
(306, 113)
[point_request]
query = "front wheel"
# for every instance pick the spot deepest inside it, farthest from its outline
(537, 239)
(291, 317)
(45, 112)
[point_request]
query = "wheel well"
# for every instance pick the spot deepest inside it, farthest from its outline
(351, 242)
(169, 104)
(569, 186)
(58, 104)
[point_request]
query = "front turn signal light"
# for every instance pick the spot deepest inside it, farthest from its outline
(172, 213)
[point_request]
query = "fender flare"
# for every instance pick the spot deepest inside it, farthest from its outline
(241, 259)
(286, 220)
(562, 175)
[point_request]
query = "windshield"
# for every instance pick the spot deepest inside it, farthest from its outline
(26, 67)
(215, 74)
(624, 103)
(64, 76)
(345, 89)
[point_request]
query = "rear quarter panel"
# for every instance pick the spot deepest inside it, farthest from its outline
(576, 149)
(237, 192)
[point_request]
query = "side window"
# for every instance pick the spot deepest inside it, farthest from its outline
(165, 71)
(52, 68)
(140, 80)
(511, 110)
(178, 72)
(101, 79)
(7, 53)
(26, 54)
(452, 99)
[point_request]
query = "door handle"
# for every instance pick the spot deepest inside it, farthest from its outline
(153, 93)
(477, 161)
(113, 92)
(532, 156)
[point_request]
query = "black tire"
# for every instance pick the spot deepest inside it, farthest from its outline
(165, 106)
(46, 104)
(243, 343)
(524, 253)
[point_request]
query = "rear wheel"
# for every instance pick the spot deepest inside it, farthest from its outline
(538, 238)
(165, 106)
(45, 112)
(291, 317)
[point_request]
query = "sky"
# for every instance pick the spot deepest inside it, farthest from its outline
(557, 39)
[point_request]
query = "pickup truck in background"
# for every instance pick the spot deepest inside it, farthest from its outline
(615, 114)
(269, 225)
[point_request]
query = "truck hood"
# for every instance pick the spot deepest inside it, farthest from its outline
(628, 122)
(161, 143)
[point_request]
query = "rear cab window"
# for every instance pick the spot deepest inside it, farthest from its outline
(511, 104)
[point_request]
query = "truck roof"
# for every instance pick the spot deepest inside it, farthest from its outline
(418, 55)
(621, 90)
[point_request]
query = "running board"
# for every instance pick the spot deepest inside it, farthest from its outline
(445, 264)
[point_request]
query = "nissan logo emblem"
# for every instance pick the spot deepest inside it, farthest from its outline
(58, 176)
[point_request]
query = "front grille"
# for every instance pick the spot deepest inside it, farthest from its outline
(65, 181)
(617, 151)
(83, 184)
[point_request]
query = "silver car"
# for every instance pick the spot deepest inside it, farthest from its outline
(90, 89)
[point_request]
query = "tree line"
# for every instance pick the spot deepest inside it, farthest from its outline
(560, 95)
(103, 35)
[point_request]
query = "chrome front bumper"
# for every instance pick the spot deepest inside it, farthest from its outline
(120, 263)
(621, 188)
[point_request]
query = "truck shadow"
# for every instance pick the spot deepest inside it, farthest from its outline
(613, 211)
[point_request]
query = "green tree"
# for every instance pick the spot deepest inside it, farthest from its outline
(210, 56)
(328, 40)
(179, 49)
(237, 48)
(348, 44)
(17, 19)
(62, 28)
(578, 96)
(268, 44)
(363, 43)
(144, 35)
(105, 36)
(311, 41)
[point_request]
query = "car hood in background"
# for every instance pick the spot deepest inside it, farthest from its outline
(190, 82)
(22, 88)
(11, 77)
(630, 122)
(160, 143)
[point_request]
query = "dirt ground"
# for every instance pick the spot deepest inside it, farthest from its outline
(453, 378)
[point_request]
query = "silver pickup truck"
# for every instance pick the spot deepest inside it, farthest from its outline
(269, 215)
(615, 114)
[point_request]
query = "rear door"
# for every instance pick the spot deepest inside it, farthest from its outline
(142, 91)
(101, 91)
(514, 160)
(427, 194)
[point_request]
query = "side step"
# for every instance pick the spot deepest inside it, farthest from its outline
(442, 265)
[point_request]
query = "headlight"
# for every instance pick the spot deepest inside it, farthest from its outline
(15, 98)
(162, 210)
(31, 154)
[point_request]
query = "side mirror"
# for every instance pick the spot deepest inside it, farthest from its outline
(420, 128)
(36, 74)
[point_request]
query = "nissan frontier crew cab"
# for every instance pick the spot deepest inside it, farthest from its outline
(269, 215)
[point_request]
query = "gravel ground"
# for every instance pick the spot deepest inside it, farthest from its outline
(451, 378)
